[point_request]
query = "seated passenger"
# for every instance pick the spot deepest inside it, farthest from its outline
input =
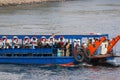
(15, 42)
(26, 41)
(34, 41)
(43, 41)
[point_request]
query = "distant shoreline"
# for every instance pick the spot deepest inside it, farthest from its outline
(20, 2)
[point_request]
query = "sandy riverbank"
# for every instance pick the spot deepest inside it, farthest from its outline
(15, 2)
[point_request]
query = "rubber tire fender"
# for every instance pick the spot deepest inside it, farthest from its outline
(81, 54)
(86, 54)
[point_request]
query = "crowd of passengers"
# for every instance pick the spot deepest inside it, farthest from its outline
(63, 45)
(33, 42)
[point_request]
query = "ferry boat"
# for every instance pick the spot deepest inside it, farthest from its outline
(56, 49)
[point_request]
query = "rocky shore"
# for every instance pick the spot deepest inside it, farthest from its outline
(17, 2)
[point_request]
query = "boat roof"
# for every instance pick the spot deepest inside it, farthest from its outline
(57, 36)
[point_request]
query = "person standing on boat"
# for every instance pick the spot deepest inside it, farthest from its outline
(51, 40)
(104, 46)
(61, 44)
(77, 44)
(67, 47)
(61, 41)
(43, 41)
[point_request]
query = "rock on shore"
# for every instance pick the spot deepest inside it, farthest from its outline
(13, 2)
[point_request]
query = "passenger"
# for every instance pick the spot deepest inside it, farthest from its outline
(98, 51)
(61, 45)
(84, 45)
(104, 46)
(34, 41)
(68, 48)
(89, 42)
(93, 40)
(26, 41)
(77, 42)
(51, 40)
(61, 42)
(15, 42)
(43, 41)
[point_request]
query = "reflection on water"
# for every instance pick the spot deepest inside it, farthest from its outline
(72, 16)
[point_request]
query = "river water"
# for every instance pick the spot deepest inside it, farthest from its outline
(66, 17)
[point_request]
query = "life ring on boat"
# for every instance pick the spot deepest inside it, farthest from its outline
(26, 40)
(79, 56)
(43, 41)
(34, 40)
(4, 39)
(15, 39)
(43, 38)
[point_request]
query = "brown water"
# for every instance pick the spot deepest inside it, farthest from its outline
(67, 17)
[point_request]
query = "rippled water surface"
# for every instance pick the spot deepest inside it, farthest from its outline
(67, 17)
(36, 72)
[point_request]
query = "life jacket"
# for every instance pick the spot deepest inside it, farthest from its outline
(26, 40)
(15, 39)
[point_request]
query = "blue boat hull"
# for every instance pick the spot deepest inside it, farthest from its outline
(38, 60)
(29, 49)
